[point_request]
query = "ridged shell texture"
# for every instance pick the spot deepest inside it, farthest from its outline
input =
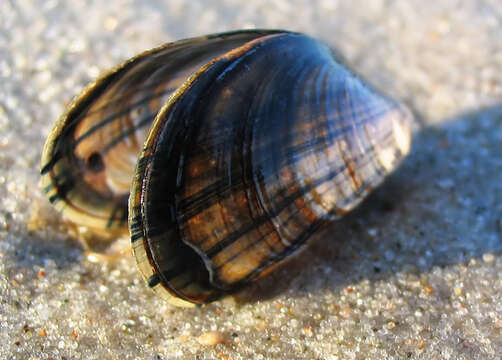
(248, 142)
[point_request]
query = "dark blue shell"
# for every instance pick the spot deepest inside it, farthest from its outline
(259, 138)
(252, 155)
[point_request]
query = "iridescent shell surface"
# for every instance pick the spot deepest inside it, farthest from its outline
(254, 141)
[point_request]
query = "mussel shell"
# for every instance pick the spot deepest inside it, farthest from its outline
(89, 158)
(255, 152)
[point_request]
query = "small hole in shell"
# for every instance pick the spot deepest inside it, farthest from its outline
(95, 162)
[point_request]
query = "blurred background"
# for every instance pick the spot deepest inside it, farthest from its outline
(414, 273)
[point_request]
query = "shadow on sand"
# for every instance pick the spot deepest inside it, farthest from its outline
(441, 207)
